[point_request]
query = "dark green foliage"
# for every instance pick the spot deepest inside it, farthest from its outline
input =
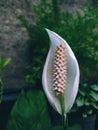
(30, 112)
(38, 48)
(38, 42)
(38, 45)
(81, 33)
(87, 100)
(47, 13)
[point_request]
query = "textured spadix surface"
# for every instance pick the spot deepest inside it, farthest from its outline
(72, 74)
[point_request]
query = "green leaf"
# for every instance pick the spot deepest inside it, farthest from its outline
(87, 103)
(94, 95)
(30, 112)
(94, 105)
(80, 101)
(82, 93)
(94, 87)
(4, 63)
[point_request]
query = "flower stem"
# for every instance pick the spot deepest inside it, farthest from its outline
(63, 107)
(65, 122)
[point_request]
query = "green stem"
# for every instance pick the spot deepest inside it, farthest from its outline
(65, 122)
(63, 108)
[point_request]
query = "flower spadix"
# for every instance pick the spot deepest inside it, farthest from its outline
(60, 76)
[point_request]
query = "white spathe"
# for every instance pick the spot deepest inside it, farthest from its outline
(72, 74)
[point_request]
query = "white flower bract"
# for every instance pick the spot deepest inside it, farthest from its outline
(72, 80)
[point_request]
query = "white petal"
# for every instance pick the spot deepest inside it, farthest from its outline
(72, 74)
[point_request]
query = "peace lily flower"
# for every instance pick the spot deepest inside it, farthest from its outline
(60, 76)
